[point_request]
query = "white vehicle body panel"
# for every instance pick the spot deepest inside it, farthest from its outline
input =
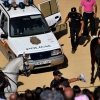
(47, 53)
(48, 42)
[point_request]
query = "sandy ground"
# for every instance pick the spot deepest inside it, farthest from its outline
(77, 63)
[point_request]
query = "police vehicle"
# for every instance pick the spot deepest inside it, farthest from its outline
(26, 28)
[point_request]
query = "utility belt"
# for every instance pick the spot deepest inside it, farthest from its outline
(74, 25)
(89, 12)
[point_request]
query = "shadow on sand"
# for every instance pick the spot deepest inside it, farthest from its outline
(89, 87)
(84, 41)
(97, 26)
(20, 83)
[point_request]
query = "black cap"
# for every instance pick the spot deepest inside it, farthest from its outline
(57, 72)
(73, 10)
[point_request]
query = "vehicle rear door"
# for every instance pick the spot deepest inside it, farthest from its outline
(51, 12)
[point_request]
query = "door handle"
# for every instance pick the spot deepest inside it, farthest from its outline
(56, 17)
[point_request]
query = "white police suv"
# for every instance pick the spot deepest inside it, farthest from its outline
(25, 28)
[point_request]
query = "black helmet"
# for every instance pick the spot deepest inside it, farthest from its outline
(73, 10)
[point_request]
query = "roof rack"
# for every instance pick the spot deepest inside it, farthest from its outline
(17, 3)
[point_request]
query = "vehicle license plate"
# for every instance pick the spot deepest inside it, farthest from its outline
(42, 62)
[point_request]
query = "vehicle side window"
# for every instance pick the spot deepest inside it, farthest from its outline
(4, 23)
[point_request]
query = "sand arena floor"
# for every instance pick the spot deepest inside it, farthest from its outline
(77, 63)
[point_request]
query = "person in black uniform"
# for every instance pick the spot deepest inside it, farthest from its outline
(76, 27)
(60, 81)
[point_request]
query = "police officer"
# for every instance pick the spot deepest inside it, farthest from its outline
(76, 27)
(60, 81)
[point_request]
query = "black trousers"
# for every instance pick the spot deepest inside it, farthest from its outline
(74, 31)
(86, 17)
(2, 86)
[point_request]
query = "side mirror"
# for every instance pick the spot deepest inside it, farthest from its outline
(4, 36)
(53, 29)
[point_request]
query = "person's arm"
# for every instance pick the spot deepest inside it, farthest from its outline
(80, 10)
(73, 80)
(66, 20)
(80, 7)
(95, 10)
(82, 26)
(68, 16)
(52, 85)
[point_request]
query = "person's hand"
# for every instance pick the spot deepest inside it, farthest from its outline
(78, 78)
(95, 15)
(79, 34)
(64, 24)
(62, 86)
(81, 78)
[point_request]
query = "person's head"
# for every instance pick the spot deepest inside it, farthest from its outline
(85, 91)
(76, 90)
(36, 96)
(73, 11)
(81, 97)
(38, 90)
(21, 96)
(88, 93)
(97, 93)
(47, 88)
(68, 93)
(51, 95)
(57, 74)
(13, 96)
(29, 95)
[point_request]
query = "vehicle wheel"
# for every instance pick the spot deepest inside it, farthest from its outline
(10, 56)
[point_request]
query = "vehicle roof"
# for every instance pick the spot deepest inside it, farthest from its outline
(28, 10)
